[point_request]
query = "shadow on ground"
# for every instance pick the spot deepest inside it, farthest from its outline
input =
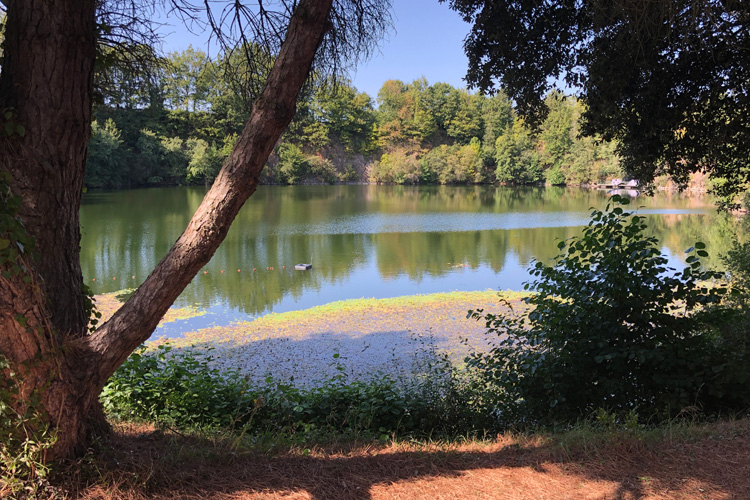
(151, 464)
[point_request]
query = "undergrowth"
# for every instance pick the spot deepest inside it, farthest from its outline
(178, 388)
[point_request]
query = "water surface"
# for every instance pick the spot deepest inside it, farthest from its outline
(363, 241)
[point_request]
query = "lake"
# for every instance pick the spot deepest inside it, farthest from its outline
(363, 241)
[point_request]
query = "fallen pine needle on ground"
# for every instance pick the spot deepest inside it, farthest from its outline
(707, 461)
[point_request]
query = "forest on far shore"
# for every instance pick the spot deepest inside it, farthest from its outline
(177, 125)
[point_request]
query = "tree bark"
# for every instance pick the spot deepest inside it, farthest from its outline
(47, 81)
(46, 86)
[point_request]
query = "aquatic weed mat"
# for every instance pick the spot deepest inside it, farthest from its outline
(356, 339)
(146, 464)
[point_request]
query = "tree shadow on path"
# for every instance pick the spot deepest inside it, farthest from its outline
(158, 465)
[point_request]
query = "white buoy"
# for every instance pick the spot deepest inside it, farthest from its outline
(304, 267)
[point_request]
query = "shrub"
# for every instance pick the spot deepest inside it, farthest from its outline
(180, 388)
(400, 166)
(293, 165)
(611, 326)
(173, 389)
(734, 334)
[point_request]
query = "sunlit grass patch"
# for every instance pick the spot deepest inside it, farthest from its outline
(109, 303)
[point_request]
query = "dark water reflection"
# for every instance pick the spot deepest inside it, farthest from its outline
(364, 241)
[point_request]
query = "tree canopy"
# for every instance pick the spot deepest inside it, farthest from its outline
(668, 79)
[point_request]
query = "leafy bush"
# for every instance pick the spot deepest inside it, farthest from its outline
(611, 327)
(180, 388)
(734, 334)
(324, 169)
(173, 389)
(104, 163)
(400, 166)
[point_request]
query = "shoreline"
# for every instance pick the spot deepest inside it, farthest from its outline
(357, 338)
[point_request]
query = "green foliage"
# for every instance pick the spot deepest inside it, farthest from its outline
(517, 162)
(176, 390)
(205, 161)
(734, 334)
(173, 130)
(467, 122)
(556, 131)
(9, 125)
(292, 164)
(126, 76)
(400, 166)
(324, 170)
(554, 176)
(174, 158)
(148, 166)
(25, 437)
(104, 166)
(184, 84)
(179, 388)
(453, 164)
(498, 115)
(341, 114)
(670, 109)
(611, 327)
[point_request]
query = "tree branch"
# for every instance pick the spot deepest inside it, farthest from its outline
(113, 342)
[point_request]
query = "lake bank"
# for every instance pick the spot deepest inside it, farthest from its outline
(395, 336)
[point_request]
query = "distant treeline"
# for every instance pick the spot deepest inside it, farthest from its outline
(177, 127)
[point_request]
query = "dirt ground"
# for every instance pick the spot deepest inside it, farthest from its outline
(713, 464)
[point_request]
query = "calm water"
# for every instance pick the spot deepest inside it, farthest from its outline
(364, 241)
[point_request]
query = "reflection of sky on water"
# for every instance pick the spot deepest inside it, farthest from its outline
(452, 222)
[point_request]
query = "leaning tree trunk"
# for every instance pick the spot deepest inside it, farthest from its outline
(46, 80)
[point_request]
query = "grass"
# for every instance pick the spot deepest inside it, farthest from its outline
(109, 303)
(406, 301)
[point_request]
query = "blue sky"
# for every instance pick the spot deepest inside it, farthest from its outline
(426, 40)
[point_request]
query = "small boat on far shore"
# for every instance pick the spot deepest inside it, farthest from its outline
(303, 267)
